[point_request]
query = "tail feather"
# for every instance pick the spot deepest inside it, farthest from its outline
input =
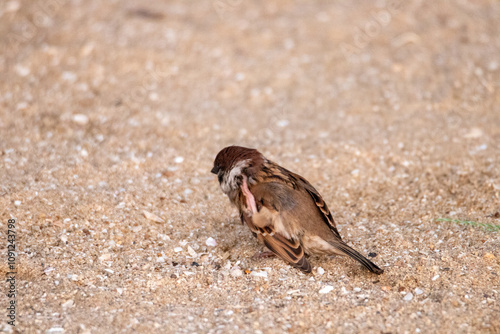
(348, 250)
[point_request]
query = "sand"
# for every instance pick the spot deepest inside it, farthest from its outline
(111, 114)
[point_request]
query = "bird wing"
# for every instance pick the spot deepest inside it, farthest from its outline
(300, 182)
(271, 200)
(285, 220)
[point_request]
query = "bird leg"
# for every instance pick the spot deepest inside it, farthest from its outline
(263, 255)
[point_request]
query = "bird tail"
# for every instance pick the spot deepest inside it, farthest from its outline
(348, 250)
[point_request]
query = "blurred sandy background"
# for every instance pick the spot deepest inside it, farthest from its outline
(111, 113)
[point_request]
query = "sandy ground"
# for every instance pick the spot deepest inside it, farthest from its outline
(110, 109)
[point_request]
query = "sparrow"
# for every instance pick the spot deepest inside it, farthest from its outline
(281, 208)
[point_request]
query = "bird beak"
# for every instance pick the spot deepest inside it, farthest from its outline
(215, 170)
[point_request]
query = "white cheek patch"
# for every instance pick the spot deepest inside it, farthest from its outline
(230, 181)
(226, 188)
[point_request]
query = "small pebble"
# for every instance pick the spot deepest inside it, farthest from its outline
(80, 119)
(418, 291)
(12, 6)
(481, 147)
(192, 252)
(356, 289)
(211, 242)
(68, 76)
(179, 160)
(22, 70)
(236, 272)
(320, 271)
(178, 249)
(105, 257)
(474, 133)
(435, 277)
(283, 123)
(408, 296)
(152, 217)
(326, 289)
(48, 270)
(55, 330)
(493, 66)
(21, 105)
(68, 304)
(17, 203)
(259, 274)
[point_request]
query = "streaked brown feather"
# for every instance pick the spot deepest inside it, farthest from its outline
(282, 197)
(297, 182)
(289, 250)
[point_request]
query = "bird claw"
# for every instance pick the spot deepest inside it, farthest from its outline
(263, 255)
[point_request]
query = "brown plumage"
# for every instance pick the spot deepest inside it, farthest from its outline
(281, 208)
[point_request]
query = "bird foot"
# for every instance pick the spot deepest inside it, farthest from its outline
(263, 255)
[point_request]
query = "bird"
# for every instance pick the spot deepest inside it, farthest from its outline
(281, 208)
